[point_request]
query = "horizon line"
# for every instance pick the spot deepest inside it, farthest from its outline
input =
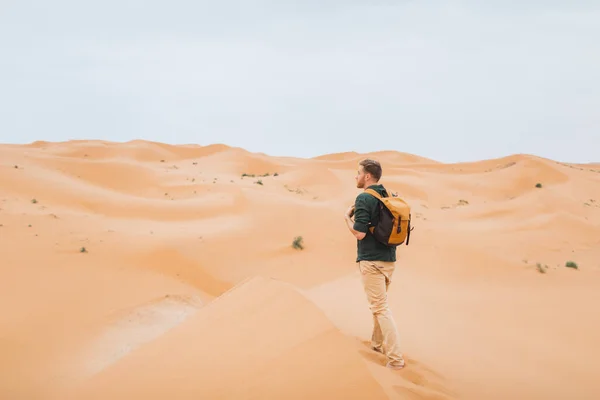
(357, 153)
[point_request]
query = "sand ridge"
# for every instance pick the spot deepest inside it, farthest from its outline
(171, 267)
(242, 346)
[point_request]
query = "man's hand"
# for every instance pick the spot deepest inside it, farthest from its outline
(348, 217)
(350, 211)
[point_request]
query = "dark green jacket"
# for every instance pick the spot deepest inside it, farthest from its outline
(366, 212)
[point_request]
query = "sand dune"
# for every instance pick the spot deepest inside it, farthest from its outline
(243, 345)
(383, 156)
(136, 150)
(142, 268)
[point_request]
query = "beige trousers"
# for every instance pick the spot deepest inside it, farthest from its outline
(376, 278)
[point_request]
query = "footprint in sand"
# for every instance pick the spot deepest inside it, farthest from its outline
(419, 381)
(420, 394)
(425, 378)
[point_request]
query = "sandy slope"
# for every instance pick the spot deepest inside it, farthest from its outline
(244, 344)
(189, 285)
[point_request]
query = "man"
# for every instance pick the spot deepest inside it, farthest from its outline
(376, 262)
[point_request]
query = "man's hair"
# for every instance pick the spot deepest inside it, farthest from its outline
(372, 167)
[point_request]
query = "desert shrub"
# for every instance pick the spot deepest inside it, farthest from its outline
(571, 264)
(541, 268)
(297, 243)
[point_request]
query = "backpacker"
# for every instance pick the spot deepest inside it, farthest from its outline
(394, 227)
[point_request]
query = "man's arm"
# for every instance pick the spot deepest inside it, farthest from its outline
(359, 235)
(359, 226)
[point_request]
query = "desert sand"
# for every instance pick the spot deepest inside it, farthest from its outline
(154, 271)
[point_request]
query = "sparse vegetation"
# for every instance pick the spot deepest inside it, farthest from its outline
(541, 269)
(83, 250)
(298, 191)
(34, 201)
(254, 175)
(297, 243)
(538, 185)
(571, 264)
(592, 203)
(462, 202)
(259, 182)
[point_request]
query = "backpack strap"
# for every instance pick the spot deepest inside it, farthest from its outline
(377, 195)
(373, 193)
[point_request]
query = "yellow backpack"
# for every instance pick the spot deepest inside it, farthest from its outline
(394, 227)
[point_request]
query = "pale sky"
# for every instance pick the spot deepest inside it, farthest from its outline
(448, 80)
